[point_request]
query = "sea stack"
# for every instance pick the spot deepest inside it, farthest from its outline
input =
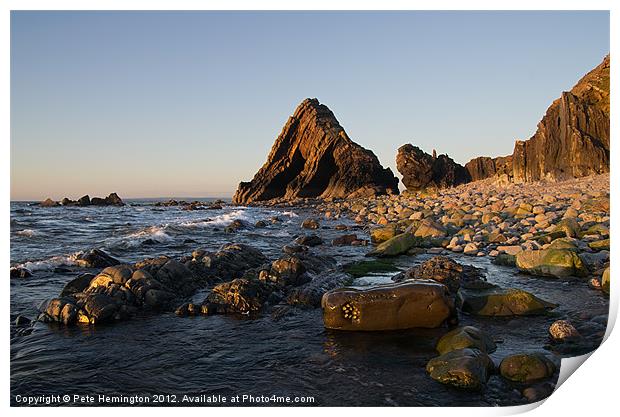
(313, 157)
(421, 170)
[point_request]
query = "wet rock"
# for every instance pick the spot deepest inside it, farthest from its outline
(22, 321)
(293, 249)
(235, 225)
(605, 285)
(527, 367)
(119, 274)
(177, 278)
(260, 224)
(505, 259)
(240, 295)
(465, 337)
(288, 271)
(95, 258)
(551, 262)
(310, 224)
(387, 307)
(538, 392)
(345, 240)
(189, 309)
(463, 368)
(311, 293)
(309, 240)
(501, 302)
(100, 308)
(561, 330)
(232, 260)
(68, 314)
(20, 272)
(78, 284)
(158, 299)
(60, 310)
(446, 271)
(314, 157)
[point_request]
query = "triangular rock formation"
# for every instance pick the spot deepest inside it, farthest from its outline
(314, 157)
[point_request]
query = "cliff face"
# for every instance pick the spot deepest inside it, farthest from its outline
(314, 157)
(572, 139)
(421, 170)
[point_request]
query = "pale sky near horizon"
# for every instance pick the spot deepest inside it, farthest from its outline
(154, 104)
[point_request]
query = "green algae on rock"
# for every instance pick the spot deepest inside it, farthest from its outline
(527, 367)
(465, 337)
(501, 302)
(363, 268)
(551, 263)
(462, 368)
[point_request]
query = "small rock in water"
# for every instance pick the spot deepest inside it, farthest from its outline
(538, 392)
(310, 224)
(462, 368)
(562, 330)
(20, 272)
(309, 240)
(527, 367)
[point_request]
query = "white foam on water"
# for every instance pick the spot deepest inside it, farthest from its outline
(289, 214)
(28, 233)
(50, 263)
(227, 218)
(155, 233)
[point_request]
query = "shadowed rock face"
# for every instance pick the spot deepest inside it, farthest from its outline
(421, 170)
(314, 157)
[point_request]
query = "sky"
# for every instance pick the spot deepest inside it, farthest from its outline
(179, 104)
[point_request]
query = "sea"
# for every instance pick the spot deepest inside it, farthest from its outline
(162, 359)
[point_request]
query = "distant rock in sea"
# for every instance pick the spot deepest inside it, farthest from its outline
(314, 157)
(572, 139)
(421, 170)
(112, 200)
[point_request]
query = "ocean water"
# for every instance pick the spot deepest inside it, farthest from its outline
(162, 354)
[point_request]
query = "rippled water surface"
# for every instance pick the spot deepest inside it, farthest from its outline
(295, 356)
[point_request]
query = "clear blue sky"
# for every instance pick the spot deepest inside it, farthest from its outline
(189, 103)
